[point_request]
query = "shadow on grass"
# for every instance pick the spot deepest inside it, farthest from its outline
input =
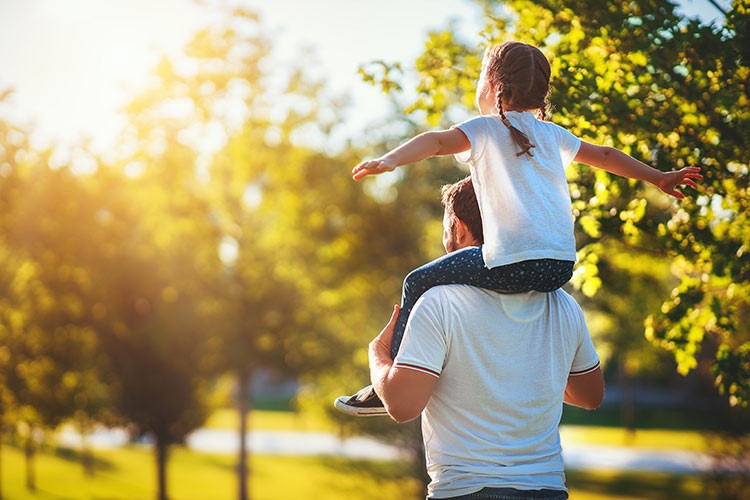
(399, 472)
(96, 462)
(41, 493)
(375, 470)
(641, 485)
(645, 418)
(221, 461)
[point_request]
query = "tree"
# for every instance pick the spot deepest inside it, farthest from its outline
(150, 308)
(48, 372)
(13, 139)
(246, 190)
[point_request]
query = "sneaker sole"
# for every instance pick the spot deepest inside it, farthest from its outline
(340, 404)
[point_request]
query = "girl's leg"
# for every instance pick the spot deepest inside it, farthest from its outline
(466, 267)
(542, 275)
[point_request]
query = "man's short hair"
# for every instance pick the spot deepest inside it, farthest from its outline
(459, 199)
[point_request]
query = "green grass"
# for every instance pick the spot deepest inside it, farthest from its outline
(129, 473)
(646, 418)
(606, 485)
(661, 439)
(611, 436)
(266, 420)
(690, 440)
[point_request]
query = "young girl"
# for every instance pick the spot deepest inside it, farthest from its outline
(517, 162)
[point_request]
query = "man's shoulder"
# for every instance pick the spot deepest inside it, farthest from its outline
(448, 299)
(463, 298)
(563, 297)
(458, 295)
(442, 292)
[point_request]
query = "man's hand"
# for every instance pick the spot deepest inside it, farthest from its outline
(373, 167)
(385, 338)
(404, 392)
(684, 177)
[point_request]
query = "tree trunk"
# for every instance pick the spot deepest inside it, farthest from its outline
(627, 405)
(87, 455)
(2, 435)
(29, 454)
(162, 450)
(243, 406)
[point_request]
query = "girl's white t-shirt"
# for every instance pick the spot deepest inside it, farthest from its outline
(524, 201)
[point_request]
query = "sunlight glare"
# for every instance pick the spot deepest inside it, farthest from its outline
(229, 250)
(75, 63)
(253, 196)
(85, 60)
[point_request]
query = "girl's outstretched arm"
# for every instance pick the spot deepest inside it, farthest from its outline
(421, 147)
(615, 161)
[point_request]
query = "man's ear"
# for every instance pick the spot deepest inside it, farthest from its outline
(461, 231)
(464, 237)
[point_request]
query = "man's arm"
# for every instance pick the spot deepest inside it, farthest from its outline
(426, 145)
(404, 392)
(586, 390)
(615, 161)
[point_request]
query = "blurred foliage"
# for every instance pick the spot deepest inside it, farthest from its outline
(220, 238)
(672, 92)
(729, 474)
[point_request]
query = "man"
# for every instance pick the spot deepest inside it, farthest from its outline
(488, 373)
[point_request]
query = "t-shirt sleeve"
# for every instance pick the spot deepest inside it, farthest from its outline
(475, 130)
(568, 143)
(425, 343)
(586, 358)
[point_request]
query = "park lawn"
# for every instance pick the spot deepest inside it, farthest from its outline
(660, 439)
(130, 473)
(268, 420)
(608, 484)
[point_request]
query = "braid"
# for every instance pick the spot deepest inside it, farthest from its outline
(518, 137)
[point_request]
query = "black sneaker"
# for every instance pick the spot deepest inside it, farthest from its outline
(363, 404)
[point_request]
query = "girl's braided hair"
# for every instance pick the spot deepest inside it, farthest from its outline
(520, 75)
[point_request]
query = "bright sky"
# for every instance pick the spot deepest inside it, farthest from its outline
(72, 63)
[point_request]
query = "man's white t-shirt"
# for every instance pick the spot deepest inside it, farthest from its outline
(524, 201)
(502, 363)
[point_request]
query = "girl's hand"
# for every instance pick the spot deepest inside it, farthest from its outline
(684, 177)
(373, 167)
